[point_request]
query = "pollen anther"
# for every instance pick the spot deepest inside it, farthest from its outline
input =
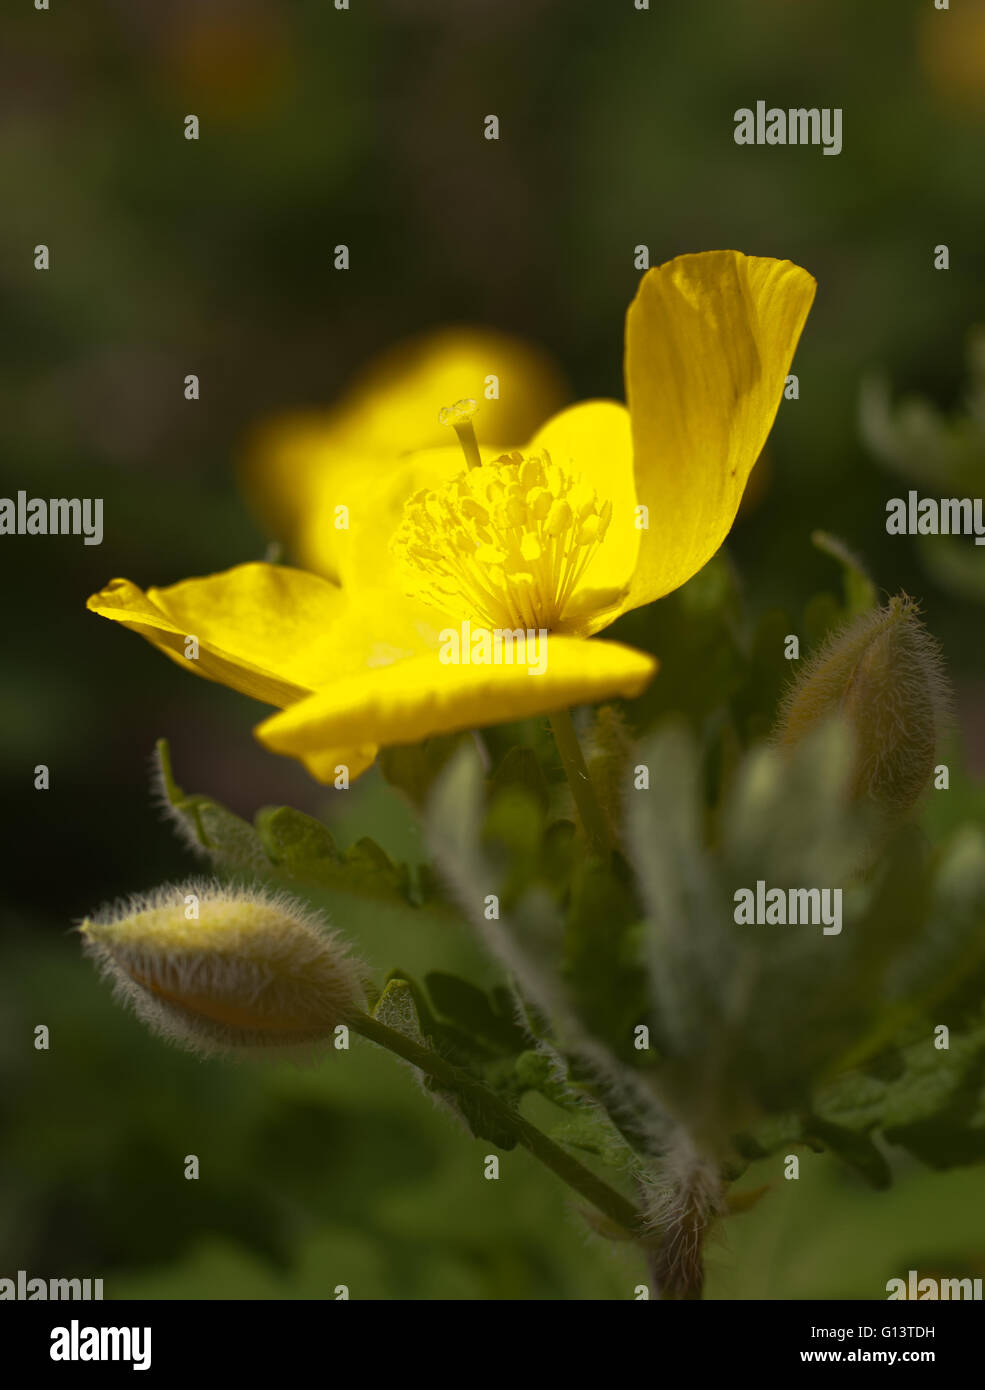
(505, 544)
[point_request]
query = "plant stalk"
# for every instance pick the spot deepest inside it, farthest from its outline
(593, 818)
(454, 1079)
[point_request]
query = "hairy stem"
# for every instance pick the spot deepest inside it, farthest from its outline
(593, 818)
(677, 1266)
(454, 1079)
(682, 1207)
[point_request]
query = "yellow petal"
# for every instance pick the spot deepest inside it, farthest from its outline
(593, 438)
(398, 397)
(414, 699)
(326, 764)
(266, 630)
(304, 464)
(709, 342)
(374, 501)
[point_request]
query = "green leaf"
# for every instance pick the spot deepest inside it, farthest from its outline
(484, 1123)
(936, 1108)
(414, 767)
(602, 967)
(206, 825)
(915, 439)
(536, 1071)
(854, 1147)
(303, 848)
(513, 834)
(860, 591)
(293, 840)
(466, 1005)
(397, 1009)
(521, 770)
(927, 1099)
(290, 845)
(590, 1129)
(753, 1015)
(956, 564)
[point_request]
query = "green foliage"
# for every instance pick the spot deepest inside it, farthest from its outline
(491, 1020)
(941, 455)
(205, 824)
(414, 767)
(934, 1105)
(521, 771)
(402, 1007)
(397, 1008)
(697, 635)
(927, 1099)
(289, 845)
(860, 591)
(753, 1028)
(923, 445)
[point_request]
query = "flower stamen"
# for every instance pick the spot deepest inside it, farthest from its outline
(504, 543)
(459, 416)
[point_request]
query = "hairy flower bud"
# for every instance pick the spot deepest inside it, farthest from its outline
(884, 674)
(226, 969)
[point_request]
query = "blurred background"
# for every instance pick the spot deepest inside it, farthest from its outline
(215, 257)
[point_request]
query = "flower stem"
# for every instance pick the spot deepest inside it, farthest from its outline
(454, 1079)
(593, 818)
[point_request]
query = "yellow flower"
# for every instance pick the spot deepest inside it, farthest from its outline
(303, 465)
(607, 507)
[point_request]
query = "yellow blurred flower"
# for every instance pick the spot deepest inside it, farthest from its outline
(605, 508)
(301, 466)
(952, 49)
(230, 64)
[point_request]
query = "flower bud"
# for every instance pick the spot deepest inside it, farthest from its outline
(883, 673)
(226, 969)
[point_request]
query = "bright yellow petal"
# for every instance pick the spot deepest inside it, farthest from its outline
(268, 631)
(374, 506)
(594, 439)
(709, 342)
(414, 699)
(325, 765)
(398, 397)
(307, 463)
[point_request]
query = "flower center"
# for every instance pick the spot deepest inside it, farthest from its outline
(504, 543)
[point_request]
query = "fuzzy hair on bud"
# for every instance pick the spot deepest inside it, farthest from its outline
(226, 970)
(884, 674)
